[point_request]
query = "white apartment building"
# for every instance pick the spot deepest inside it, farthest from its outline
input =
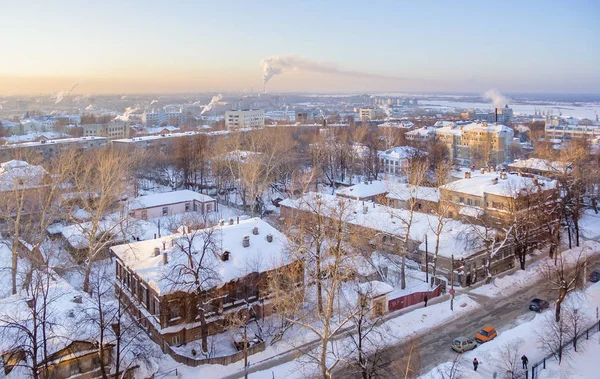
(368, 114)
(567, 128)
(245, 118)
(163, 117)
(111, 130)
(395, 160)
(499, 115)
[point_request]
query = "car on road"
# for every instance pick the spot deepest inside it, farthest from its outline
(538, 305)
(595, 276)
(487, 333)
(462, 344)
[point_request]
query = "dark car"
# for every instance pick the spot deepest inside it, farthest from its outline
(595, 276)
(538, 305)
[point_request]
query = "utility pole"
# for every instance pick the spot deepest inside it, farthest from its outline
(426, 263)
(452, 283)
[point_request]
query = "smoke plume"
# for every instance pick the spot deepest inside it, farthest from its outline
(58, 96)
(496, 98)
(277, 65)
(212, 103)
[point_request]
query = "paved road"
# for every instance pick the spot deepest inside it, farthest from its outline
(503, 313)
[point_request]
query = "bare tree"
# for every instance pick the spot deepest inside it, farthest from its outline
(407, 366)
(494, 238)
(564, 276)
(441, 214)
(509, 363)
(553, 337)
(452, 369)
(197, 271)
(577, 322)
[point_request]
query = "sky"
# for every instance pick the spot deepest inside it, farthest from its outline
(119, 46)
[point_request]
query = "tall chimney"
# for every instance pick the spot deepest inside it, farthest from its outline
(496, 114)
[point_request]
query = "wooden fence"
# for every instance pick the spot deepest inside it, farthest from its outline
(412, 299)
(215, 360)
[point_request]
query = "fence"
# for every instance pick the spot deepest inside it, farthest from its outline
(539, 366)
(412, 299)
(225, 360)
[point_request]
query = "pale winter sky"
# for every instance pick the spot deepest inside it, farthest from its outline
(114, 46)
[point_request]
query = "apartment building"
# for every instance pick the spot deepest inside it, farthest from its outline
(50, 147)
(395, 160)
(495, 195)
(243, 255)
(568, 128)
(499, 115)
(371, 113)
(481, 144)
(111, 130)
(163, 117)
(245, 118)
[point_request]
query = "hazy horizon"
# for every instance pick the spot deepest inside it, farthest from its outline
(309, 46)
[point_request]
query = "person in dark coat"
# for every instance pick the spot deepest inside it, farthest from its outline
(475, 364)
(525, 361)
(425, 300)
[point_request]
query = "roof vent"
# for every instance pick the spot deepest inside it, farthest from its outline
(246, 241)
(269, 238)
(255, 230)
(165, 258)
(231, 221)
(225, 256)
(495, 181)
(77, 299)
(156, 251)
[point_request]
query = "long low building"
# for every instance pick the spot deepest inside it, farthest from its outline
(236, 259)
(171, 203)
(385, 227)
(51, 147)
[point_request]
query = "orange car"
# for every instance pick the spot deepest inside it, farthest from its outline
(487, 333)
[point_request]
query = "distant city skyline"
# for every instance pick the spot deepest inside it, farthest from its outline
(308, 46)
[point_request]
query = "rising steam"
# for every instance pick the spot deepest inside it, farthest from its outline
(212, 103)
(58, 96)
(496, 98)
(277, 65)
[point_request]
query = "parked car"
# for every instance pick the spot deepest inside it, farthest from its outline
(487, 333)
(538, 305)
(462, 344)
(595, 276)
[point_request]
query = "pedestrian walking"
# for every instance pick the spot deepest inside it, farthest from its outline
(525, 361)
(475, 364)
(425, 300)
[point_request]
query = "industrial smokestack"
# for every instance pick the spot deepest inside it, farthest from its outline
(496, 115)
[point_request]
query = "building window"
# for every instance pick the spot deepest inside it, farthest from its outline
(144, 214)
(187, 207)
(208, 208)
(156, 311)
(175, 340)
(461, 200)
(469, 202)
(173, 310)
(165, 211)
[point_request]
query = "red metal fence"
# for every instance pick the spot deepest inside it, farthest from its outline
(412, 299)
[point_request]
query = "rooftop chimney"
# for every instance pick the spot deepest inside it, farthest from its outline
(164, 245)
(246, 241)
(225, 256)
(156, 251)
(238, 219)
(77, 299)
(467, 174)
(165, 258)
(269, 237)
(231, 221)
(255, 230)
(482, 170)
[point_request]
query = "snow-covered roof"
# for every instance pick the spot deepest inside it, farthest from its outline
(155, 137)
(32, 136)
(365, 189)
(374, 288)
(405, 192)
(77, 235)
(401, 152)
(388, 220)
(403, 124)
(493, 183)
(160, 129)
(259, 256)
(475, 126)
(423, 132)
(20, 174)
(57, 141)
(166, 198)
(540, 165)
